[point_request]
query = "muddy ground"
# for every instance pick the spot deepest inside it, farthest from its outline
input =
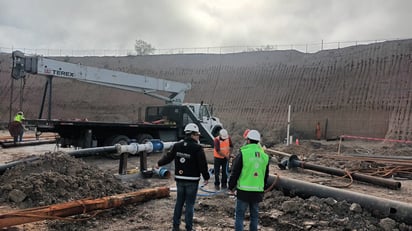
(57, 177)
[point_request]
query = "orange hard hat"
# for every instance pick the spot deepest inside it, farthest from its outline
(245, 133)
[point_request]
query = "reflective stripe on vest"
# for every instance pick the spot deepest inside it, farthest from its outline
(187, 177)
(252, 176)
(224, 148)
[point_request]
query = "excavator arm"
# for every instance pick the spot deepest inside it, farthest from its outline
(132, 82)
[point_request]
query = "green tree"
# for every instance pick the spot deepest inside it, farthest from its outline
(143, 47)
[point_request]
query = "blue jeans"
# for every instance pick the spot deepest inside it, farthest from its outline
(240, 210)
(186, 194)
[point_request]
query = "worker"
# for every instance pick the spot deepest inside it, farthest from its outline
(190, 161)
(221, 152)
(248, 178)
(18, 126)
(318, 131)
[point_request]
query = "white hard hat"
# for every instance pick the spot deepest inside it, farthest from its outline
(253, 135)
(223, 134)
(20, 113)
(191, 127)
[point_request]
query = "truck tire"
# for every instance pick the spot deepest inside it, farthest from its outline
(143, 138)
(117, 139)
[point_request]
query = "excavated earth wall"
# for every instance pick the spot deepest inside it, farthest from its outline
(362, 90)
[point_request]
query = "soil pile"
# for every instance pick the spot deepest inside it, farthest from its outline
(56, 178)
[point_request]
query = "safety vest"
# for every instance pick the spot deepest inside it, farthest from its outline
(224, 148)
(18, 118)
(252, 176)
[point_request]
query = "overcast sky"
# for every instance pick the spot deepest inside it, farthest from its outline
(117, 24)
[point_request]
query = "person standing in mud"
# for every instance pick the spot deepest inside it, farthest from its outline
(249, 175)
(190, 162)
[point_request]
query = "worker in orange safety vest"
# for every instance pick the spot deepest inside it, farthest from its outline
(221, 152)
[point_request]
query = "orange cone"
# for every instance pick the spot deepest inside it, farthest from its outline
(297, 141)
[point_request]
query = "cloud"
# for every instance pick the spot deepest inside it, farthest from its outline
(107, 24)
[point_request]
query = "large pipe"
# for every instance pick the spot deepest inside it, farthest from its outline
(93, 151)
(11, 144)
(294, 162)
(399, 211)
(4, 167)
(133, 148)
(80, 206)
(150, 146)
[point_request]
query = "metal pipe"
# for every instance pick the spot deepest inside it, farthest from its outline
(11, 144)
(133, 148)
(399, 211)
(4, 167)
(93, 151)
(294, 162)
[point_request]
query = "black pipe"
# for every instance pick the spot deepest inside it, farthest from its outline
(76, 154)
(93, 151)
(399, 211)
(4, 167)
(294, 162)
(11, 144)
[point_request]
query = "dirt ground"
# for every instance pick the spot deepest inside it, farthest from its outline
(57, 177)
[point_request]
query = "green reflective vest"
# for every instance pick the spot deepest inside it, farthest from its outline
(255, 161)
(19, 118)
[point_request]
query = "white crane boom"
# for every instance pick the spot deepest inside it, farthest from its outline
(131, 82)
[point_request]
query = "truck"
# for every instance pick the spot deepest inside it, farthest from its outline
(165, 122)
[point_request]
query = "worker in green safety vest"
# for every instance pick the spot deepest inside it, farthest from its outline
(18, 123)
(248, 178)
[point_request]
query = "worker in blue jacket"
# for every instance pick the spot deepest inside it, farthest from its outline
(190, 162)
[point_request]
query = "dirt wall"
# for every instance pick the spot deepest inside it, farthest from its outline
(361, 90)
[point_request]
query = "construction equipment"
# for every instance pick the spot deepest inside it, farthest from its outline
(165, 122)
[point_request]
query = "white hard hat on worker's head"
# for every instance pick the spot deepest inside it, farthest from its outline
(20, 113)
(223, 134)
(191, 127)
(253, 135)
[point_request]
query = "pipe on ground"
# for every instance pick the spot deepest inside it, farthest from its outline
(294, 162)
(399, 211)
(59, 211)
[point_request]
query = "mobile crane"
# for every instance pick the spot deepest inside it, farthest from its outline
(86, 134)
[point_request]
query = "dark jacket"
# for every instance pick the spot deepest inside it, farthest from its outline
(234, 177)
(190, 160)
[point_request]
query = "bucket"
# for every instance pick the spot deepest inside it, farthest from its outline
(162, 172)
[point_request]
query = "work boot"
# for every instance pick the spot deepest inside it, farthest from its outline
(217, 187)
(175, 228)
(224, 186)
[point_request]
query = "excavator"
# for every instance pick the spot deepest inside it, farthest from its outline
(87, 134)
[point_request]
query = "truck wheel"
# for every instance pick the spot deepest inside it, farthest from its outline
(143, 138)
(118, 139)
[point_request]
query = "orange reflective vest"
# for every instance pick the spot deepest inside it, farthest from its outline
(224, 148)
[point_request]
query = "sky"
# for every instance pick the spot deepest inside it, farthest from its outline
(167, 24)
